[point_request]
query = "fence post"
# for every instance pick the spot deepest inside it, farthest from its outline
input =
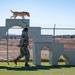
(54, 33)
(7, 48)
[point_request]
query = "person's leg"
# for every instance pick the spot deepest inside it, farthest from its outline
(18, 58)
(27, 57)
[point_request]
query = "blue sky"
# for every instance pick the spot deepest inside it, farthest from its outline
(44, 13)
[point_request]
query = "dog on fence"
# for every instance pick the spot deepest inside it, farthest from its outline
(22, 14)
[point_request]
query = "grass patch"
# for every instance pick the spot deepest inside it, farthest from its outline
(44, 69)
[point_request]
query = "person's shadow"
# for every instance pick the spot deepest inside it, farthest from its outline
(34, 68)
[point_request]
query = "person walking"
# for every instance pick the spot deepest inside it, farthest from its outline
(24, 42)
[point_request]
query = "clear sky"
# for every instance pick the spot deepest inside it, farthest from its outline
(43, 13)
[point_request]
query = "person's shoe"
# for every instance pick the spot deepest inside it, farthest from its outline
(15, 61)
(27, 65)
